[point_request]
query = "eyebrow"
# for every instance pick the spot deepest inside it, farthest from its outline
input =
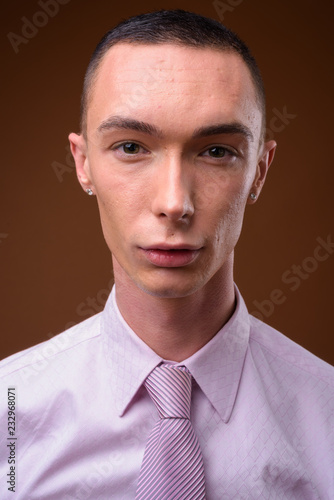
(224, 128)
(119, 122)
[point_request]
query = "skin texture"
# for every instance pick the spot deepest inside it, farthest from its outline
(170, 188)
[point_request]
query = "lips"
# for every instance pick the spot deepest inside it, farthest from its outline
(167, 256)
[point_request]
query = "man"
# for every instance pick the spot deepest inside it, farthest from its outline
(172, 146)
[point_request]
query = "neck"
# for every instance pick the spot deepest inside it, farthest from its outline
(175, 328)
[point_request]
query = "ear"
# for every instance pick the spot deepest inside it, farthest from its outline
(79, 151)
(265, 159)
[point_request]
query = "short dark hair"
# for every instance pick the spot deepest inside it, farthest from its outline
(171, 26)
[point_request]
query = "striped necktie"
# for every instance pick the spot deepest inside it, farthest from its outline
(172, 467)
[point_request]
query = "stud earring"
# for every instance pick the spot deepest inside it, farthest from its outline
(253, 196)
(89, 191)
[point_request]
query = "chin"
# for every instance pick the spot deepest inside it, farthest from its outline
(170, 288)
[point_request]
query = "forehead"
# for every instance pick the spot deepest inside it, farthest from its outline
(155, 81)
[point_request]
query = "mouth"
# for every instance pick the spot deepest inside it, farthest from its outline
(171, 256)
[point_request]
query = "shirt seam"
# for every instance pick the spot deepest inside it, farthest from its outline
(319, 377)
(32, 363)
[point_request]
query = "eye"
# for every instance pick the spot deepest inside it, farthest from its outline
(221, 153)
(129, 151)
(217, 152)
(130, 148)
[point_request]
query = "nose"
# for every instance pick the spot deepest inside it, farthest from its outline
(172, 197)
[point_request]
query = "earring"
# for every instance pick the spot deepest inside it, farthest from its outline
(253, 196)
(89, 191)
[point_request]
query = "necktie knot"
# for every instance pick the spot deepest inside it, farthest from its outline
(170, 389)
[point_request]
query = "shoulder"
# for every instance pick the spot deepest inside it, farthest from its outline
(53, 351)
(287, 357)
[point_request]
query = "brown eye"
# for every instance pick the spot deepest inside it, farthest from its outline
(131, 148)
(217, 152)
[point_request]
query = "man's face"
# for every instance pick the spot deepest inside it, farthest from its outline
(172, 154)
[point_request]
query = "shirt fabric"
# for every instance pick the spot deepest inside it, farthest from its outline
(262, 408)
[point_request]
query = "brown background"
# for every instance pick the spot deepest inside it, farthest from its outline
(55, 266)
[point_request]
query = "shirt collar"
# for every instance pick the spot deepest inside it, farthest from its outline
(129, 358)
(216, 367)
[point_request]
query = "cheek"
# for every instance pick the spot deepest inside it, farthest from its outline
(121, 204)
(230, 215)
(115, 212)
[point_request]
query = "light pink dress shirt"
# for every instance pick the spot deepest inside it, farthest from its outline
(262, 408)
